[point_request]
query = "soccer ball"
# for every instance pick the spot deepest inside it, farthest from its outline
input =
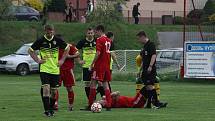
(96, 107)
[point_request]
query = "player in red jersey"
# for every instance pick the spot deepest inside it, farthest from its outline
(67, 75)
(101, 66)
(138, 101)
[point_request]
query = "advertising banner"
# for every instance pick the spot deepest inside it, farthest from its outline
(200, 59)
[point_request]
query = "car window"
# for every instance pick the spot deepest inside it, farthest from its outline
(30, 10)
(177, 55)
(23, 50)
(22, 10)
(167, 55)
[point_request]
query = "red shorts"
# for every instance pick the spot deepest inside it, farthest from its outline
(67, 77)
(101, 75)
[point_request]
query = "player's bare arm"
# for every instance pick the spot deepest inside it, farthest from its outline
(94, 60)
(76, 55)
(151, 63)
(113, 55)
(35, 57)
(66, 52)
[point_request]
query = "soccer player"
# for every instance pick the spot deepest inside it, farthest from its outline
(138, 101)
(148, 68)
(101, 67)
(48, 46)
(88, 47)
(67, 75)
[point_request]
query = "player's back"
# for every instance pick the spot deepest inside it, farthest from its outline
(103, 45)
(123, 102)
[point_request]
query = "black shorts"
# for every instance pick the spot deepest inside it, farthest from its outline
(149, 79)
(51, 79)
(86, 74)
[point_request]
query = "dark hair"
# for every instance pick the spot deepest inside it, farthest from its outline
(100, 28)
(138, 3)
(109, 34)
(141, 33)
(49, 27)
(89, 29)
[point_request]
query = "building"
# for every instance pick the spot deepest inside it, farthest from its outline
(153, 11)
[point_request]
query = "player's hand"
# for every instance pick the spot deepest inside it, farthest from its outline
(149, 69)
(81, 62)
(60, 63)
(41, 61)
(91, 67)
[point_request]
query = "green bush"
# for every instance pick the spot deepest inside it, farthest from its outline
(179, 20)
(209, 7)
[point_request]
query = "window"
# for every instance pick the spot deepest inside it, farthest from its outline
(169, 1)
(167, 55)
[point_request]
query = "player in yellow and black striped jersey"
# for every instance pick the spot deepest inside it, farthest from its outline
(88, 47)
(48, 46)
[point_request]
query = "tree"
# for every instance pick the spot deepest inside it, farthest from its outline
(106, 13)
(4, 8)
(56, 5)
(36, 4)
(209, 7)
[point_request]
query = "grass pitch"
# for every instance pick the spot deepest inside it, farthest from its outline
(188, 101)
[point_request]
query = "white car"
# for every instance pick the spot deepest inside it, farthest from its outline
(169, 57)
(19, 62)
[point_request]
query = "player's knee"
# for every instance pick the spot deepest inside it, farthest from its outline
(53, 92)
(46, 90)
(69, 89)
(87, 83)
(93, 84)
(105, 85)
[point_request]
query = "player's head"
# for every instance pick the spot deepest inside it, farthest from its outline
(110, 35)
(142, 37)
(90, 34)
(138, 4)
(138, 60)
(99, 30)
(49, 30)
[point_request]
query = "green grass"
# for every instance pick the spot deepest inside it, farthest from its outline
(188, 101)
(15, 33)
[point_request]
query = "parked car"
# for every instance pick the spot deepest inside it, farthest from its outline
(19, 62)
(22, 13)
(169, 57)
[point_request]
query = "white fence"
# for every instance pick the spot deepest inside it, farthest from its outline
(167, 61)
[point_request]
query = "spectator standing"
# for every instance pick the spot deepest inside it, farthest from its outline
(135, 13)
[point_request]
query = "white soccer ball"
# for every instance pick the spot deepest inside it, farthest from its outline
(96, 107)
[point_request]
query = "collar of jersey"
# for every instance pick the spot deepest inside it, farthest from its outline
(48, 38)
(89, 40)
(103, 36)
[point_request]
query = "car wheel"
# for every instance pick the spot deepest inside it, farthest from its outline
(33, 20)
(22, 69)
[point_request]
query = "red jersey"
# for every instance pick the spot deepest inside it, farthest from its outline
(129, 102)
(123, 102)
(69, 62)
(103, 45)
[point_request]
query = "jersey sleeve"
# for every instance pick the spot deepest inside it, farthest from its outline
(61, 43)
(36, 45)
(73, 50)
(153, 49)
(80, 44)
